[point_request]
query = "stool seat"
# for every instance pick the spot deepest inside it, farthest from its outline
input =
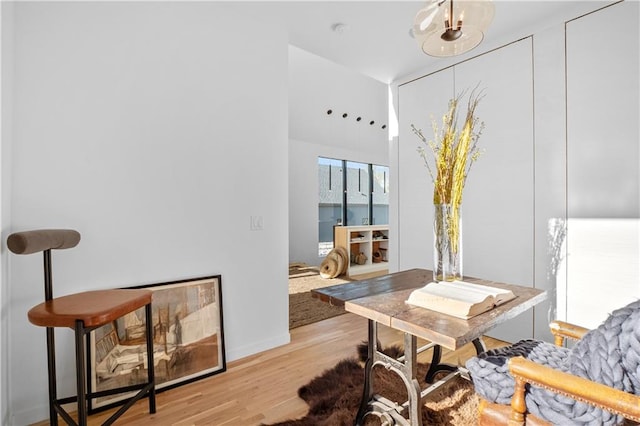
(93, 308)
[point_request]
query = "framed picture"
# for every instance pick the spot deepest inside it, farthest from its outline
(188, 341)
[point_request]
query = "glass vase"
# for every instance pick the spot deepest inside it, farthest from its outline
(447, 243)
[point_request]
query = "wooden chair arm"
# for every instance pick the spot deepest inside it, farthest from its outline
(562, 330)
(578, 388)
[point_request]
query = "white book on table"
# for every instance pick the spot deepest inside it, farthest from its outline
(459, 298)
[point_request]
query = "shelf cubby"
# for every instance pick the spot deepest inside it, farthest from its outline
(366, 246)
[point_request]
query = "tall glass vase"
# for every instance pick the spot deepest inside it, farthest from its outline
(447, 243)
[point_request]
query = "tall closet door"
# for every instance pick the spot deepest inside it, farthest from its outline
(603, 158)
(420, 102)
(498, 200)
(602, 113)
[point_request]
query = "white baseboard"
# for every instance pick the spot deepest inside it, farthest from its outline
(256, 347)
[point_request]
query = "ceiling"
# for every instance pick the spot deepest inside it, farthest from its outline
(377, 42)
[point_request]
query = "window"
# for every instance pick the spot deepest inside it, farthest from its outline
(350, 193)
(380, 195)
(330, 194)
(357, 194)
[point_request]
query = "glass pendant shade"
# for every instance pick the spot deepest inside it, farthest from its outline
(452, 27)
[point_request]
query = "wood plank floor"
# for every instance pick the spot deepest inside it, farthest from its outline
(263, 388)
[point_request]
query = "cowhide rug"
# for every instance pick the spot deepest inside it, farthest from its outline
(334, 396)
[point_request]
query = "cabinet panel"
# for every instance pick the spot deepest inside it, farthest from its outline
(498, 203)
(602, 113)
(498, 198)
(603, 165)
(420, 102)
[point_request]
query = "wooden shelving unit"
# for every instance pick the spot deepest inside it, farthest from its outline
(371, 241)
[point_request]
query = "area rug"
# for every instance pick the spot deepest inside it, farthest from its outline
(334, 396)
(303, 308)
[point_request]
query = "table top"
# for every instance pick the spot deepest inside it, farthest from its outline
(382, 299)
(337, 295)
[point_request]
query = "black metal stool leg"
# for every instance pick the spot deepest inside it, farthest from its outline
(51, 367)
(80, 374)
(51, 346)
(150, 365)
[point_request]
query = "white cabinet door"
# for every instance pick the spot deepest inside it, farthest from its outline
(498, 203)
(498, 197)
(420, 102)
(602, 113)
(603, 157)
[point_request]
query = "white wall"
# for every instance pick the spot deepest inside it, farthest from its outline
(315, 86)
(600, 272)
(6, 62)
(156, 130)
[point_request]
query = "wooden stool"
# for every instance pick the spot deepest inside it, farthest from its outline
(83, 312)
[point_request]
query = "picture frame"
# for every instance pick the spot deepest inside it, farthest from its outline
(188, 341)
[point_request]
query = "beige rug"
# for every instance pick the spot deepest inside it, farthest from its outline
(303, 308)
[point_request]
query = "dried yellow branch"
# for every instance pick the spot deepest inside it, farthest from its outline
(453, 154)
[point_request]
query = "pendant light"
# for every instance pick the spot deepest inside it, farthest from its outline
(452, 27)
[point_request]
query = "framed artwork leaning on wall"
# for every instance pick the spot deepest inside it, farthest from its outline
(188, 340)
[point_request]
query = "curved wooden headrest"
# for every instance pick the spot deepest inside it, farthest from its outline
(29, 242)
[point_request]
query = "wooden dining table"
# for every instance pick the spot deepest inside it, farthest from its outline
(382, 300)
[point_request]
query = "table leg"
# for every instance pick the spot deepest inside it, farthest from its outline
(436, 366)
(410, 372)
(367, 391)
(479, 345)
(391, 413)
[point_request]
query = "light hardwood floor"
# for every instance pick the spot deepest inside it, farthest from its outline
(263, 388)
